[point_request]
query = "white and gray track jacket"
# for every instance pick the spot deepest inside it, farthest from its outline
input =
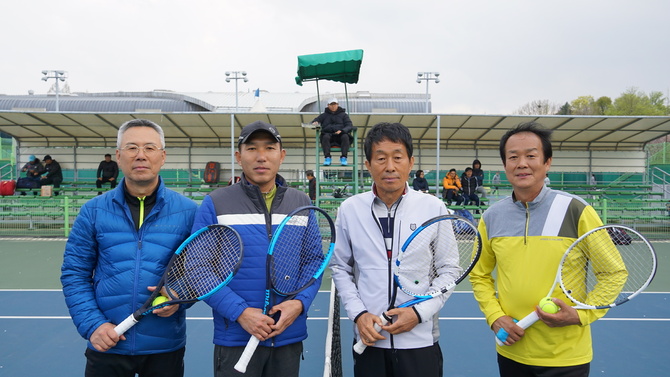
(362, 271)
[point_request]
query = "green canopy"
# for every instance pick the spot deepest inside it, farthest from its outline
(343, 66)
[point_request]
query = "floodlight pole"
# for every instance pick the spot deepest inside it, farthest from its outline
(59, 75)
(427, 77)
(234, 75)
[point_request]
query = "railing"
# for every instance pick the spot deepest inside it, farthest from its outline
(659, 154)
(6, 172)
(651, 216)
(38, 216)
(660, 180)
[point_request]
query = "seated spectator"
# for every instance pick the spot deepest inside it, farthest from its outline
(108, 171)
(33, 168)
(335, 128)
(54, 175)
(451, 185)
(469, 184)
(420, 183)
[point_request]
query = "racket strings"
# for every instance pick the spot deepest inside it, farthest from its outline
(602, 271)
(299, 252)
(437, 258)
(206, 262)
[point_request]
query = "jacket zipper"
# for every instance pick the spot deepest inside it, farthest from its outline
(525, 232)
(389, 255)
(268, 227)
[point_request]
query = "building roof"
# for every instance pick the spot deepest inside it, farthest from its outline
(204, 119)
(103, 102)
(207, 129)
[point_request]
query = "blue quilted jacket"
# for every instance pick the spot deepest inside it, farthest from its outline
(242, 206)
(108, 265)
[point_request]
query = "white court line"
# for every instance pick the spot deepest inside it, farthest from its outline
(346, 318)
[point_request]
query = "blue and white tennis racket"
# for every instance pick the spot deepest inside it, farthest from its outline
(299, 252)
(204, 263)
(434, 259)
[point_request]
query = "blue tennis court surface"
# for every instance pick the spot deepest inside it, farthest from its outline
(37, 338)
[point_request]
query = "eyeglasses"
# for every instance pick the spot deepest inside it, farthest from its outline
(148, 149)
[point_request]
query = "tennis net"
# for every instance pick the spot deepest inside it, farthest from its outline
(333, 361)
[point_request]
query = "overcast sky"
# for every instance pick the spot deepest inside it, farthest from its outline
(493, 56)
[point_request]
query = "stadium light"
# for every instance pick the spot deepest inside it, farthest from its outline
(234, 75)
(59, 75)
(427, 77)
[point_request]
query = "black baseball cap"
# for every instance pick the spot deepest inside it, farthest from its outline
(255, 127)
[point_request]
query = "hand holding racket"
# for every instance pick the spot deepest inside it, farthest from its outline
(298, 254)
(600, 270)
(434, 259)
(204, 263)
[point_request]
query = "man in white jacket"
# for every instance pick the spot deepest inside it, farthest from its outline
(371, 227)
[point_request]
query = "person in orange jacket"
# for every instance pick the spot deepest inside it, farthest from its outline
(452, 185)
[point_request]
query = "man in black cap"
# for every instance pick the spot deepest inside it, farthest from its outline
(254, 207)
(335, 128)
(54, 175)
(108, 171)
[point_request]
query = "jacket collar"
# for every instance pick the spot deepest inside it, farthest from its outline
(374, 190)
(254, 193)
(120, 191)
(279, 181)
(538, 199)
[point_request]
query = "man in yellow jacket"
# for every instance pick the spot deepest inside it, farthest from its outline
(524, 237)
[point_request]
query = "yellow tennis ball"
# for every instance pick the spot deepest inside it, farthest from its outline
(159, 300)
(548, 306)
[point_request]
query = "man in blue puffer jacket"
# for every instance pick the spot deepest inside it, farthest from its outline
(254, 207)
(117, 252)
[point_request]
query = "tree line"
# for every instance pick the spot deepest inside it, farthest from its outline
(630, 102)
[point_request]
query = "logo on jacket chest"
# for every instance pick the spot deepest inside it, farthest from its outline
(412, 227)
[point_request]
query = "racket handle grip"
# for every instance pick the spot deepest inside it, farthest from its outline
(245, 358)
(359, 347)
(524, 323)
(124, 326)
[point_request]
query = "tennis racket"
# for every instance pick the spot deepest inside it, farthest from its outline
(606, 267)
(204, 263)
(298, 254)
(433, 260)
